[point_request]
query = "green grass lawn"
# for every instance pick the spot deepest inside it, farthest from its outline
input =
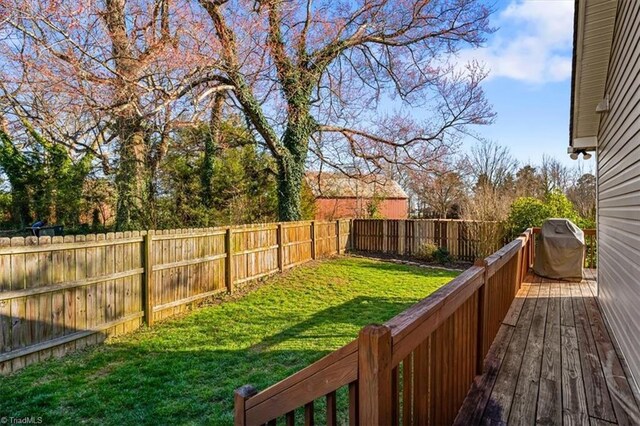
(184, 371)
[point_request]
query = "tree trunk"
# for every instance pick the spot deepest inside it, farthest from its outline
(210, 145)
(133, 181)
(133, 176)
(290, 175)
(291, 165)
(20, 204)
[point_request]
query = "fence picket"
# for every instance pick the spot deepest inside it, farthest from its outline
(111, 283)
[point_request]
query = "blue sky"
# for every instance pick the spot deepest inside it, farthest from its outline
(529, 85)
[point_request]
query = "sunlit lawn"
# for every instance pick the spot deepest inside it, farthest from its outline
(184, 371)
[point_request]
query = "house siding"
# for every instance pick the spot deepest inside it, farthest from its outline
(618, 170)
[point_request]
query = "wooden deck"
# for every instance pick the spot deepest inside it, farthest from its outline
(553, 362)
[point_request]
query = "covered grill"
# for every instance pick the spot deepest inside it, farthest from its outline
(560, 250)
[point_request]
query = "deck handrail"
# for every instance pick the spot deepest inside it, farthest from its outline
(451, 327)
(421, 319)
(337, 369)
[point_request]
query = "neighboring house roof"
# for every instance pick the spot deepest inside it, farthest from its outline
(337, 185)
(592, 39)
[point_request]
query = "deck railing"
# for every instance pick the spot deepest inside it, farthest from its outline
(414, 369)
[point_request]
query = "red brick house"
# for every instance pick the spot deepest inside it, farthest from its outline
(339, 196)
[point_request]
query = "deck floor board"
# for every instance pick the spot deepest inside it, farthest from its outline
(553, 362)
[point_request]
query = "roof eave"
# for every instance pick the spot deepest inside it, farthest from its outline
(585, 114)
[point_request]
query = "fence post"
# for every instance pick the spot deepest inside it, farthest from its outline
(483, 309)
(385, 236)
(444, 231)
(352, 235)
(402, 224)
(374, 375)
(241, 395)
(313, 239)
(338, 242)
(228, 261)
(280, 248)
(414, 236)
(147, 291)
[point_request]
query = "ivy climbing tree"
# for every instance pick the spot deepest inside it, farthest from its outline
(309, 75)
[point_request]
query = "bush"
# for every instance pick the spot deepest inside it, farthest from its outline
(527, 212)
(560, 206)
(426, 251)
(442, 255)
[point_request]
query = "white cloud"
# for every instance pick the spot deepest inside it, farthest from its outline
(533, 42)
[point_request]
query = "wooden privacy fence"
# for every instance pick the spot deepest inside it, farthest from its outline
(58, 294)
(414, 369)
(465, 240)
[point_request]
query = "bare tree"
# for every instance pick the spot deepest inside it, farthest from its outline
(310, 75)
(490, 163)
(489, 207)
(583, 196)
(439, 191)
(529, 183)
(555, 176)
(109, 77)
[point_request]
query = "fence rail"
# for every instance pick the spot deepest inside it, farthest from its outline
(58, 294)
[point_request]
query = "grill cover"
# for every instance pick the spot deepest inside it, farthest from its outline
(560, 250)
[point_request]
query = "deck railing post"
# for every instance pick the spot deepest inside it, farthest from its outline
(241, 395)
(374, 375)
(483, 308)
(532, 247)
(523, 259)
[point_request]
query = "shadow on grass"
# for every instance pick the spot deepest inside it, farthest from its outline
(402, 269)
(358, 312)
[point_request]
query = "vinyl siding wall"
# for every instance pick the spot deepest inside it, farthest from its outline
(619, 188)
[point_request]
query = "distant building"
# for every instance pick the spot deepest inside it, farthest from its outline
(339, 196)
